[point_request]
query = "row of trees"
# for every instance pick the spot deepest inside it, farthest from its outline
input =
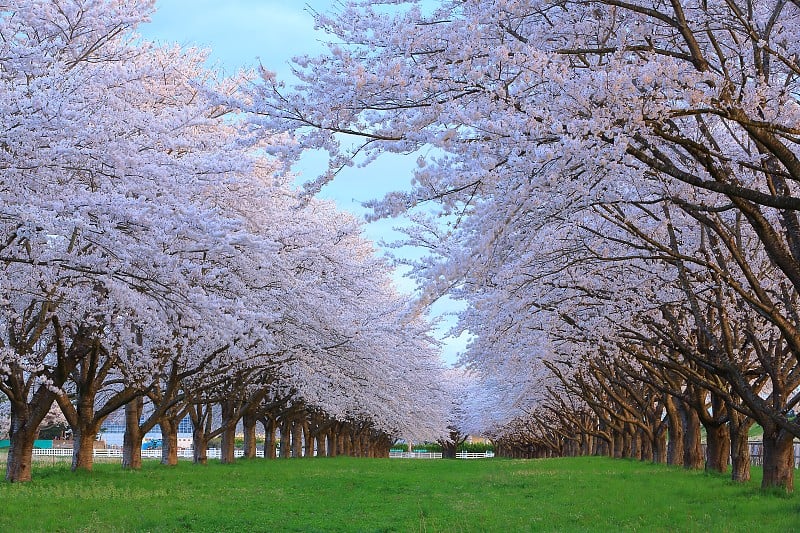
(153, 259)
(616, 191)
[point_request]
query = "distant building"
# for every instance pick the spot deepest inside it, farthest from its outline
(114, 432)
(474, 439)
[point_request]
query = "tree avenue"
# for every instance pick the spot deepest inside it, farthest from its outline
(616, 191)
(154, 262)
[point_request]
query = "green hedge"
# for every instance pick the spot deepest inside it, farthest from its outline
(427, 447)
(477, 447)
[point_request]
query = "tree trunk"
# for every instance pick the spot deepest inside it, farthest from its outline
(269, 438)
(348, 444)
(645, 447)
(26, 416)
(297, 439)
(618, 444)
(322, 449)
(286, 439)
(692, 446)
(249, 425)
(601, 447)
(229, 420)
(169, 441)
(132, 440)
(778, 460)
(675, 431)
(199, 447)
(308, 440)
(718, 447)
(587, 444)
(333, 439)
(201, 421)
(84, 436)
(20, 454)
(341, 443)
(366, 446)
(740, 447)
(228, 447)
(660, 447)
(627, 444)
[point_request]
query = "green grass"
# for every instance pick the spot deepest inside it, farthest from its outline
(344, 494)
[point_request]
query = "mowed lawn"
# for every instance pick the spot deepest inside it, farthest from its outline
(345, 494)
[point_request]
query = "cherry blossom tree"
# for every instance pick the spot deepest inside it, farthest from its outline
(109, 144)
(154, 260)
(534, 111)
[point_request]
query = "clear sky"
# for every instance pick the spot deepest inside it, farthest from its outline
(244, 33)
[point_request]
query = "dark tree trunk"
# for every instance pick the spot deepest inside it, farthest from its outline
(132, 439)
(718, 447)
(84, 429)
(322, 449)
(249, 426)
(269, 438)
(692, 446)
(587, 444)
(199, 447)
(675, 432)
(26, 416)
(333, 439)
(228, 446)
(345, 444)
(617, 441)
(660, 448)
(645, 447)
(778, 460)
(359, 444)
(627, 444)
(601, 447)
(286, 439)
(169, 441)
(201, 415)
(740, 457)
(740, 447)
(308, 440)
(341, 440)
(84, 437)
(20, 453)
(366, 444)
(297, 439)
(229, 420)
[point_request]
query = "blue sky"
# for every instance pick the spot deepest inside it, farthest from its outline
(242, 33)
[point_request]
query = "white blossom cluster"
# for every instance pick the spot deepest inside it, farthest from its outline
(613, 182)
(148, 247)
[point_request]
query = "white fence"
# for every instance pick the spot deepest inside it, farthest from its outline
(436, 455)
(116, 453)
(471, 455)
(215, 453)
(415, 455)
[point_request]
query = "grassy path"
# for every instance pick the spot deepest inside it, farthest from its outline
(343, 494)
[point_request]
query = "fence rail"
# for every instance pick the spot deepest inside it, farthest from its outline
(474, 455)
(757, 453)
(215, 453)
(436, 455)
(116, 453)
(415, 455)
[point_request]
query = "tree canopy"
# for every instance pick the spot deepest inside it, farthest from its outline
(615, 191)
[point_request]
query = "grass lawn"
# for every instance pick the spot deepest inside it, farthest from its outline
(344, 494)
